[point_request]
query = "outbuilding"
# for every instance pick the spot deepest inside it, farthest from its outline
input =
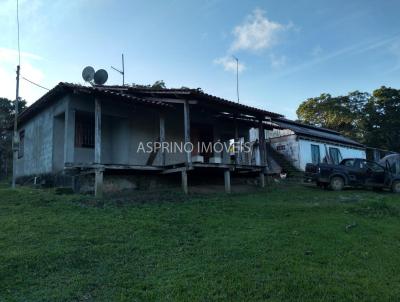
(301, 144)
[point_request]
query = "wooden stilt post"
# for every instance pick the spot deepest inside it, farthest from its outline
(236, 143)
(261, 136)
(227, 180)
(184, 182)
(162, 137)
(98, 180)
(98, 183)
(186, 124)
(97, 131)
(262, 179)
(186, 121)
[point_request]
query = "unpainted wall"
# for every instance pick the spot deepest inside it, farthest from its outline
(38, 142)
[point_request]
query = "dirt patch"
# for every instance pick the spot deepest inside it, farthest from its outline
(215, 189)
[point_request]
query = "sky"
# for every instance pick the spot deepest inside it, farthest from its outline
(288, 51)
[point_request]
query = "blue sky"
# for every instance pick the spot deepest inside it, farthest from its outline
(288, 50)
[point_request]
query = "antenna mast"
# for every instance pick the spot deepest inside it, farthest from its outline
(237, 78)
(122, 72)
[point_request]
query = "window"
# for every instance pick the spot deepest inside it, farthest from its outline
(374, 167)
(315, 154)
(335, 155)
(84, 130)
(281, 148)
(348, 163)
(21, 144)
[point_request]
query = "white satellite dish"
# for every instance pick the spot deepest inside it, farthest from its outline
(100, 77)
(88, 73)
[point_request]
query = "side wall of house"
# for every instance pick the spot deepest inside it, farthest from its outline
(345, 151)
(38, 141)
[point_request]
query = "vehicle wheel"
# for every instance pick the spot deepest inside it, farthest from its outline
(337, 183)
(396, 186)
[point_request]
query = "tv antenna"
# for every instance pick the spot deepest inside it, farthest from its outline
(122, 72)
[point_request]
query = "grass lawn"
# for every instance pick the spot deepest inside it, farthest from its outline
(288, 243)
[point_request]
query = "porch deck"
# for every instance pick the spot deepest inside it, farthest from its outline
(168, 168)
(182, 168)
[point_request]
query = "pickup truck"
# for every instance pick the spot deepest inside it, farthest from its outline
(357, 172)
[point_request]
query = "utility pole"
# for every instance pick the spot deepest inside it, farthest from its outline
(15, 142)
(237, 78)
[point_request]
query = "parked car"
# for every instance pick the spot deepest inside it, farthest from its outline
(357, 172)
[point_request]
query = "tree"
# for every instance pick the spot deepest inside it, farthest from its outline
(156, 85)
(342, 113)
(373, 120)
(6, 123)
(159, 85)
(381, 122)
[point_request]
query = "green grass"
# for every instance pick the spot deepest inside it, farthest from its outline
(283, 244)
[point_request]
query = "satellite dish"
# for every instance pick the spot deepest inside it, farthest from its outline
(88, 73)
(100, 77)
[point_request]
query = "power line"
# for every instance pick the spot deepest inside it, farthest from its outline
(35, 83)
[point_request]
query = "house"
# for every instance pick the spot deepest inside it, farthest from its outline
(301, 144)
(76, 132)
(376, 154)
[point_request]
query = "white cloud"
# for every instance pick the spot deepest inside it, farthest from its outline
(8, 63)
(277, 61)
(256, 33)
(8, 55)
(229, 64)
(352, 50)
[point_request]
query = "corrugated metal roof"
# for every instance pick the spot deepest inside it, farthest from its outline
(198, 94)
(141, 95)
(115, 93)
(62, 88)
(315, 132)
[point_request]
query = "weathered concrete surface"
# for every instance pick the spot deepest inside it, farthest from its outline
(50, 135)
(38, 143)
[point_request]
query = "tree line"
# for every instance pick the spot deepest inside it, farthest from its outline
(7, 113)
(371, 119)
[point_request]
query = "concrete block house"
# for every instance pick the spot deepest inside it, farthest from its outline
(76, 131)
